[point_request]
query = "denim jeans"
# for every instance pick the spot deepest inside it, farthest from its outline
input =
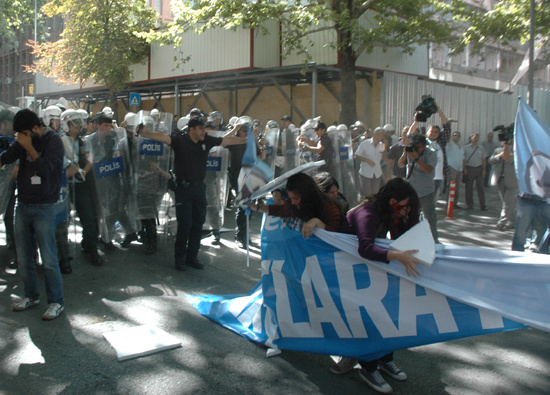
(191, 214)
(37, 222)
(527, 209)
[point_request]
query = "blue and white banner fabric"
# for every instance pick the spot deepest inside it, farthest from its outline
(532, 152)
(318, 295)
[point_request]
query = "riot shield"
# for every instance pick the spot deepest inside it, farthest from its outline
(347, 168)
(151, 161)
(216, 184)
(271, 142)
(334, 137)
(107, 156)
(307, 131)
(290, 148)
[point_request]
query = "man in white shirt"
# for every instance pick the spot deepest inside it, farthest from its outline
(455, 160)
(370, 154)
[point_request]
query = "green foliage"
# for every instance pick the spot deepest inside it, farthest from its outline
(16, 15)
(507, 24)
(396, 23)
(99, 42)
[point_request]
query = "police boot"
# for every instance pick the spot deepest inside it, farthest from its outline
(128, 240)
(151, 236)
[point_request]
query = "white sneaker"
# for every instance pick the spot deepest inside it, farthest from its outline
(25, 303)
(54, 310)
(375, 381)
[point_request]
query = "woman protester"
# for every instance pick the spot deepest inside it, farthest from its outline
(394, 209)
(308, 203)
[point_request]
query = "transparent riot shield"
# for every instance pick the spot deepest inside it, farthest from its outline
(307, 131)
(216, 184)
(334, 137)
(347, 167)
(271, 142)
(290, 148)
(151, 161)
(107, 152)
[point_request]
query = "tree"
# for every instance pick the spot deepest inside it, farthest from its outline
(99, 42)
(507, 24)
(16, 15)
(397, 23)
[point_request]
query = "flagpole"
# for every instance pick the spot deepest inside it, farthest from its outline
(532, 55)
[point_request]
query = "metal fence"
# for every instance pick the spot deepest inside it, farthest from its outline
(474, 110)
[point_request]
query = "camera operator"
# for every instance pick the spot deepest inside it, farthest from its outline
(503, 175)
(437, 139)
(420, 161)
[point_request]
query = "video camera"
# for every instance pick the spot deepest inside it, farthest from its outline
(426, 108)
(505, 133)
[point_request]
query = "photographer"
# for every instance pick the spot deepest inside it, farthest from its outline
(420, 161)
(437, 139)
(504, 176)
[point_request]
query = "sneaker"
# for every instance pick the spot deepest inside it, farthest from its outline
(195, 264)
(25, 303)
(392, 369)
(54, 310)
(375, 381)
(344, 365)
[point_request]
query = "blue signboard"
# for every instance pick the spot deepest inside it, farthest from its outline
(134, 99)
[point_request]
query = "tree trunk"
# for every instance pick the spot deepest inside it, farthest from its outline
(348, 90)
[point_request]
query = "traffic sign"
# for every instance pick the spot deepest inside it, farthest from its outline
(135, 99)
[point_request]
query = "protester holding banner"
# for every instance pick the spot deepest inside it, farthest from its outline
(191, 154)
(307, 203)
(328, 184)
(395, 209)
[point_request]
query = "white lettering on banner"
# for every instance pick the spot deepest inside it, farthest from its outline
(272, 223)
(287, 326)
(490, 319)
(369, 298)
(313, 278)
(109, 167)
(433, 303)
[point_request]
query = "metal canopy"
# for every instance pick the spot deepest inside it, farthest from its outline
(223, 81)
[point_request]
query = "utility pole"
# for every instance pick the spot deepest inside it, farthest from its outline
(532, 55)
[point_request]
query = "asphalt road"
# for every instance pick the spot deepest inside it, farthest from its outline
(70, 356)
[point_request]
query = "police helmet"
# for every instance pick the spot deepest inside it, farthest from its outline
(69, 116)
(51, 112)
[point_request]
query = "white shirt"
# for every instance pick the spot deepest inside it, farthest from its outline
(368, 150)
(438, 172)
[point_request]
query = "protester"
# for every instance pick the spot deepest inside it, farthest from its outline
(394, 153)
(504, 176)
(474, 172)
(307, 203)
(328, 184)
(455, 161)
(40, 153)
(395, 209)
(370, 154)
(489, 146)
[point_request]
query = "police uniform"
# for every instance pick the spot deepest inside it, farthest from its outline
(190, 170)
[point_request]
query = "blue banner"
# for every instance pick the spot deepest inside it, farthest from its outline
(316, 297)
(151, 148)
(532, 152)
(109, 167)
